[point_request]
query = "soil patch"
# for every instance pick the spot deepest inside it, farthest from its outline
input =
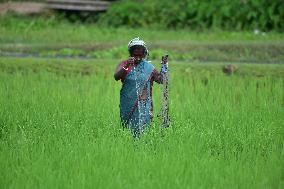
(26, 8)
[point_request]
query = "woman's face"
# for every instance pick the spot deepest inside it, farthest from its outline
(138, 53)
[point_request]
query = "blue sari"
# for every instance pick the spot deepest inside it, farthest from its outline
(135, 112)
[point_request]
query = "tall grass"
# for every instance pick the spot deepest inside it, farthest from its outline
(61, 129)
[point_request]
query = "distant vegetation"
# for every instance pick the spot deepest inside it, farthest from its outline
(191, 14)
(53, 36)
(172, 27)
(194, 14)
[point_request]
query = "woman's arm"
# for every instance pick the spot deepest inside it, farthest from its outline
(119, 72)
(122, 68)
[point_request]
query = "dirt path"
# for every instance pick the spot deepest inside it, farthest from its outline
(22, 7)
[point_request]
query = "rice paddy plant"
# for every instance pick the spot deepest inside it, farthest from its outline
(63, 131)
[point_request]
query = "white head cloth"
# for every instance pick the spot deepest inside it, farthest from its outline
(137, 41)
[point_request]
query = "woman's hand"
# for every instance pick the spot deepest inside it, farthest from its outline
(130, 62)
(165, 59)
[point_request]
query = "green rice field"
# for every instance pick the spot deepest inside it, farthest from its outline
(60, 127)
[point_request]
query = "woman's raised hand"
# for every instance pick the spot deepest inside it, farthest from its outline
(130, 61)
(165, 59)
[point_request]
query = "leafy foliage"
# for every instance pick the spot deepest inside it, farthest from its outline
(194, 14)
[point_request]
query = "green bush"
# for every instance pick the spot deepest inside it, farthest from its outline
(195, 14)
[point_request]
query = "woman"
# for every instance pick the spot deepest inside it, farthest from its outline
(137, 76)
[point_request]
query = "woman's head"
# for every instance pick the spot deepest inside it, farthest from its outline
(137, 48)
(137, 51)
